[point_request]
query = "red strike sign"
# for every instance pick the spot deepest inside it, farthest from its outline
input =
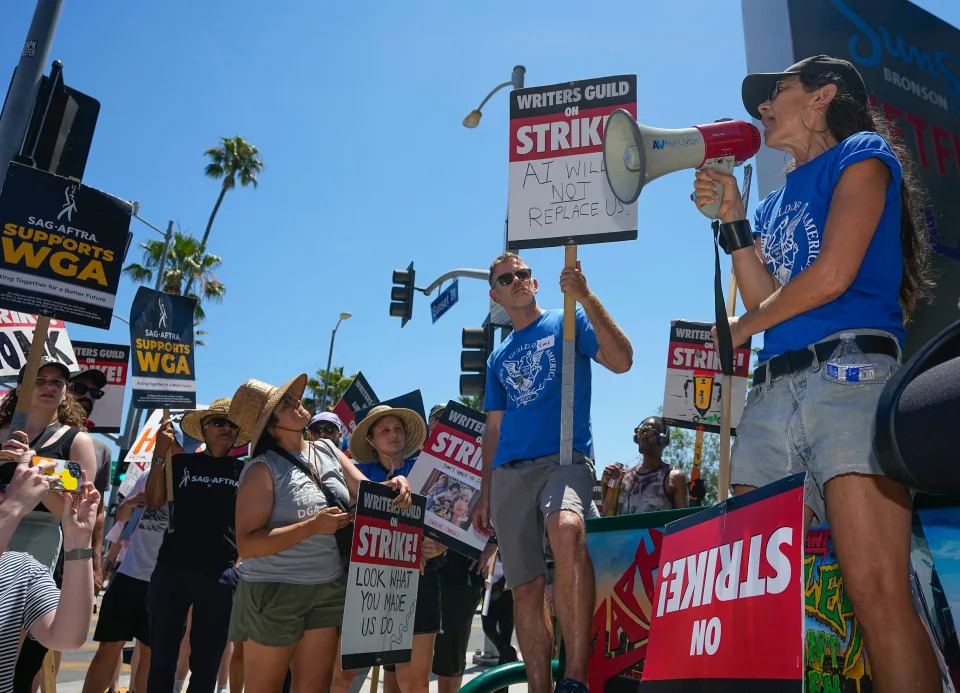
(451, 446)
(383, 543)
(729, 601)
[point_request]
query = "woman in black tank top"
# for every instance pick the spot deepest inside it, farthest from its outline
(54, 428)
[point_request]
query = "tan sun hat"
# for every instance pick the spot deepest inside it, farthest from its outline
(255, 401)
(192, 422)
(413, 424)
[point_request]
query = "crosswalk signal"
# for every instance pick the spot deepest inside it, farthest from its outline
(477, 345)
(401, 296)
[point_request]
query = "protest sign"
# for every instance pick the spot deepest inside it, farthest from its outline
(141, 452)
(16, 336)
(112, 360)
(382, 580)
(357, 397)
(558, 191)
(625, 552)
(694, 383)
(161, 333)
(411, 400)
(447, 473)
(63, 247)
(834, 652)
(727, 610)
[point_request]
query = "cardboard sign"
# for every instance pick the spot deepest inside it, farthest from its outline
(63, 247)
(694, 383)
(358, 396)
(625, 552)
(161, 333)
(726, 615)
(447, 474)
(558, 188)
(140, 454)
(112, 360)
(383, 577)
(16, 336)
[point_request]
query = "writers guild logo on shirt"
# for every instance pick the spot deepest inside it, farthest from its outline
(523, 374)
(781, 247)
(70, 206)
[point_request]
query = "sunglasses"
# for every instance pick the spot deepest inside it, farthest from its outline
(81, 389)
(648, 432)
(779, 87)
(325, 427)
(506, 279)
(221, 422)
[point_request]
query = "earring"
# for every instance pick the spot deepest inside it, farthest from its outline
(807, 125)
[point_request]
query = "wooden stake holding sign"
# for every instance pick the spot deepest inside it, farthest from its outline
(34, 361)
(569, 363)
(723, 480)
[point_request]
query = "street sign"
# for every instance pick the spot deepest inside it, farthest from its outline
(446, 300)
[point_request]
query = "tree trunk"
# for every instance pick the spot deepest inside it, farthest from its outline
(213, 214)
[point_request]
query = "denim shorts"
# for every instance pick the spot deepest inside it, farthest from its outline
(802, 422)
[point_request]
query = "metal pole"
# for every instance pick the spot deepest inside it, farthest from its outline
(326, 378)
(18, 107)
(163, 255)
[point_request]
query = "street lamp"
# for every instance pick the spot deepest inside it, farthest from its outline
(516, 81)
(326, 379)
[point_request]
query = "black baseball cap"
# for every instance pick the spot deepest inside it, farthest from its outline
(98, 377)
(47, 361)
(756, 87)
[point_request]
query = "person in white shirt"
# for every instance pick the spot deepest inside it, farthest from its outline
(29, 599)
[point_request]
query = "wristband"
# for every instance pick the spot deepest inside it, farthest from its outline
(735, 235)
(78, 554)
(157, 460)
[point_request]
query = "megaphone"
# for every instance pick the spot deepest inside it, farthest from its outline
(635, 154)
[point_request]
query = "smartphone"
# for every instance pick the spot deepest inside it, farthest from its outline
(69, 476)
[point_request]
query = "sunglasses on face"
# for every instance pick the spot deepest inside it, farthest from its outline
(779, 87)
(81, 389)
(56, 382)
(221, 422)
(506, 279)
(328, 428)
(647, 432)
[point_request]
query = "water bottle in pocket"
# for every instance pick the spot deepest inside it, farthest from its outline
(848, 364)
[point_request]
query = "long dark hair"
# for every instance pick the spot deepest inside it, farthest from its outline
(846, 115)
(267, 441)
(69, 413)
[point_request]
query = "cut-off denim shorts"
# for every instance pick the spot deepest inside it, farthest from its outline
(802, 422)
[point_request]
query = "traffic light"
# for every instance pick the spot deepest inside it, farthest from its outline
(401, 296)
(119, 471)
(477, 345)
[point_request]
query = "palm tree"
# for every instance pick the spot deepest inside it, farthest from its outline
(338, 385)
(473, 401)
(185, 262)
(234, 158)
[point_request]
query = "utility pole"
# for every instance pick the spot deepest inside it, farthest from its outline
(18, 107)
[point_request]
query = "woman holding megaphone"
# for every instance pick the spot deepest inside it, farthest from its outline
(842, 259)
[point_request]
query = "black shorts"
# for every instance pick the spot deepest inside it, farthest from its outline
(459, 605)
(427, 618)
(123, 611)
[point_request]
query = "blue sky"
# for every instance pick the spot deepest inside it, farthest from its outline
(356, 108)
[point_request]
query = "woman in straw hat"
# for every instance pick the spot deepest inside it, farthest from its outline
(384, 445)
(195, 564)
(292, 500)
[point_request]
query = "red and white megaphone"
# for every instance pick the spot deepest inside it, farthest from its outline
(635, 154)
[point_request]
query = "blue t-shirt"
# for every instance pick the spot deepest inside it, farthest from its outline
(790, 223)
(523, 381)
(377, 473)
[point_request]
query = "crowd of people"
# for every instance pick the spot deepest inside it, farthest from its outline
(255, 549)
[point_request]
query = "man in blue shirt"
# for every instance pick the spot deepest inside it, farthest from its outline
(524, 489)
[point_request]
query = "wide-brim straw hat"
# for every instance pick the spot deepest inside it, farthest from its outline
(413, 424)
(192, 422)
(255, 401)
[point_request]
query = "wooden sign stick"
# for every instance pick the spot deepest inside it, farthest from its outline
(568, 364)
(34, 359)
(723, 489)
